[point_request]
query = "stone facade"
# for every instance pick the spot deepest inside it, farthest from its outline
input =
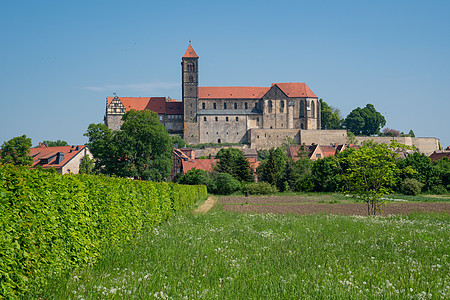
(423, 144)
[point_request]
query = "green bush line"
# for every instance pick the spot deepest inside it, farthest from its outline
(51, 223)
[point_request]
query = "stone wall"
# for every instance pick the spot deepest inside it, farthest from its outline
(223, 128)
(323, 137)
(423, 144)
(268, 138)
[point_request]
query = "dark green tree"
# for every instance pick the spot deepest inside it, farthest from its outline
(330, 116)
(55, 144)
(443, 168)
(233, 162)
(142, 149)
(178, 141)
(271, 169)
(327, 175)
(87, 165)
(366, 121)
(226, 184)
(426, 172)
(16, 151)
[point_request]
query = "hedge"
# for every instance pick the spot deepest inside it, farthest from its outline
(51, 223)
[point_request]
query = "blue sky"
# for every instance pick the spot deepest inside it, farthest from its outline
(61, 59)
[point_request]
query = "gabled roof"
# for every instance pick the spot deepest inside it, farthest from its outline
(137, 103)
(231, 92)
(190, 52)
(295, 89)
(50, 154)
(157, 104)
(329, 150)
(174, 108)
(202, 164)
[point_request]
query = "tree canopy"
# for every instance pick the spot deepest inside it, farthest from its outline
(233, 162)
(330, 116)
(142, 149)
(365, 121)
(54, 143)
(16, 151)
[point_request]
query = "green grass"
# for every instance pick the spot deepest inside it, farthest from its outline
(224, 255)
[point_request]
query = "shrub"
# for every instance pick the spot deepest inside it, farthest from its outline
(226, 184)
(260, 188)
(439, 190)
(411, 186)
(50, 223)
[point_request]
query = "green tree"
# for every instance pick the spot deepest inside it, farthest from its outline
(233, 162)
(87, 165)
(426, 172)
(142, 149)
(271, 169)
(330, 116)
(16, 151)
(371, 173)
(366, 121)
(178, 141)
(443, 168)
(226, 184)
(54, 144)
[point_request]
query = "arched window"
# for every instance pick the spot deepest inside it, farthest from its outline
(245, 105)
(270, 105)
(235, 105)
(302, 109)
(313, 110)
(224, 106)
(214, 105)
(203, 105)
(190, 67)
(281, 106)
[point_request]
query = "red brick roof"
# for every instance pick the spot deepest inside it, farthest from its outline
(50, 153)
(157, 104)
(137, 103)
(296, 89)
(231, 92)
(329, 150)
(190, 52)
(202, 164)
(439, 155)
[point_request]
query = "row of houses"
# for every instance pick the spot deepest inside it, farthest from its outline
(67, 159)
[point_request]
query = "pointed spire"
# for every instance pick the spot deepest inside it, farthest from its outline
(190, 52)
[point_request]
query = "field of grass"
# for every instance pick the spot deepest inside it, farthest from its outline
(223, 255)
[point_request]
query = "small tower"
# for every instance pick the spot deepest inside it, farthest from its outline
(189, 78)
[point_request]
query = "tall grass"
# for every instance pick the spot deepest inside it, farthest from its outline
(225, 255)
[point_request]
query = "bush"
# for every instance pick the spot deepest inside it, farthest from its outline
(260, 188)
(226, 184)
(439, 190)
(411, 186)
(51, 223)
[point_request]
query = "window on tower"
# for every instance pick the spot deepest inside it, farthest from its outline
(235, 105)
(214, 105)
(224, 106)
(203, 105)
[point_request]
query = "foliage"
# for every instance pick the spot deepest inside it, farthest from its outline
(426, 173)
(411, 186)
(50, 223)
(16, 151)
(198, 177)
(87, 165)
(371, 173)
(178, 141)
(439, 189)
(330, 116)
(365, 121)
(411, 133)
(351, 138)
(260, 188)
(226, 184)
(54, 144)
(442, 166)
(302, 174)
(142, 149)
(391, 132)
(327, 175)
(272, 169)
(233, 162)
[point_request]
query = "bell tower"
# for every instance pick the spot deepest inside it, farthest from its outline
(189, 79)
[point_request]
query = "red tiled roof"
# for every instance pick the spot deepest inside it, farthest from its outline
(202, 164)
(174, 108)
(157, 104)
(190, 52)
(328, 150)
(295, 89)
(439, 155)
(50, 153)
(231, 92)
(137, 103)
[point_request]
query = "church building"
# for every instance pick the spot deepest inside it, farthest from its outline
(237, 114)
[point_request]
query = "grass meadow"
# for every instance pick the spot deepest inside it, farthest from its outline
(223, 255)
